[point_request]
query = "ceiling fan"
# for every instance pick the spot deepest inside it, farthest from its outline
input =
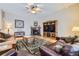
(33, 8)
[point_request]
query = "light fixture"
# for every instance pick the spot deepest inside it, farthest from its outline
(8, 27)
(75, 30)
(33, 8)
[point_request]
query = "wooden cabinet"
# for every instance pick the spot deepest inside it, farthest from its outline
(19, 35)
(49, 28)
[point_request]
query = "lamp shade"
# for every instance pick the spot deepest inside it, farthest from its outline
(75, 29)
(8, 25)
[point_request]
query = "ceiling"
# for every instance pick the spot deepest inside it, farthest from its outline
(20, 10)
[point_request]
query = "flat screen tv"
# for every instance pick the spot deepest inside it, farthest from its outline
(51, 28)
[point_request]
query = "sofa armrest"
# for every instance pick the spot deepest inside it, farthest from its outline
(11, 52)
(45, 51)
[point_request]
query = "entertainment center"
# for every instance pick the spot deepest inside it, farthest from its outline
(49, 28)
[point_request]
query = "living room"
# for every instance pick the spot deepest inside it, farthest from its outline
(20, 18)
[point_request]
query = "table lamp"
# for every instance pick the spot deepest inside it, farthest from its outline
(8, 27)
(75, 31)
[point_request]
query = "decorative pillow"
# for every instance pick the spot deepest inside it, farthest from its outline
(71, 50)
(68, 39)
(66, 50)
(61, 42)
(75, 47)
(58, 46)
(74, 51)
(76, 40)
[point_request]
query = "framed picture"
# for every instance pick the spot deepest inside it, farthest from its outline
(19, 24)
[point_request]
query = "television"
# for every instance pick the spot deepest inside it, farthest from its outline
(51, 28)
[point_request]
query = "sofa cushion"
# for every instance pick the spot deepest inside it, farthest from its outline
(57, 46)
(68, 39)
(70, 50)
(66, 50)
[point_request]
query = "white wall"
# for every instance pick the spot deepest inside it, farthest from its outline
(67, 17)
(1, 20)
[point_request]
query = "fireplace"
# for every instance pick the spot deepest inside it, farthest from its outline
(35, 30)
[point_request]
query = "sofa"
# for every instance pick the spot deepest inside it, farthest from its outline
(11, 52)
(62, 47)
(45, 51)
